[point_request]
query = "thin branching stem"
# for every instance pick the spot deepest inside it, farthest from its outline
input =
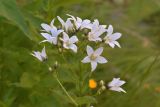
(56, 77)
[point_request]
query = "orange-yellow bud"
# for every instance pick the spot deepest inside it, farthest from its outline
(92, 83)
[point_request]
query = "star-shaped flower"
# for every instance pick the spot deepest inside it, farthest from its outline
(81, 24)
(40, 55)
(53, 37)
(67, 26)
(116, 84)
(94, 57)
(96, 31)
(69, 43)
(111, 37)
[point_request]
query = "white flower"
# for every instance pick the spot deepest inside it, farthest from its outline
(81, 24)
(53, 37)
(47, 27)
(115, 85)
(68, 43)
(67, 26)
(94, 57)
(40, 55)
(96, 31)
(112, 37)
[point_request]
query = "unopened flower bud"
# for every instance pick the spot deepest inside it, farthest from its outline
(50, 69)
(103, 88)
(60, 50)
(56, 65)
(102, 83)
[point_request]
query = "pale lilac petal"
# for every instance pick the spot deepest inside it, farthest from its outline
(79, 20)
(115, 85)
(46, 27)
(71, 17)
(37, 55)
(96, 22)
(116, 43)
(73, 47)
(73, 39)
(78, 23)
(68, 25)
(110, 30)
(86, 21)
(59, 31)
(46, 35)
(65, 37)
(54, 40)
(44, 52)
(43, 41)
(101, 60)
(117, 82)
(98, 51)
(115, 36)
(61, 21)
(113, 82)
(89, 50)
(52, 23)
(93, 65)
(111, 44)
(86, 60)
(118, 89)
(55, 33)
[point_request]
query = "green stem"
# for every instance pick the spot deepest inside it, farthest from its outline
(66, 91)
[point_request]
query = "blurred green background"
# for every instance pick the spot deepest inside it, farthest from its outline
(24, 81)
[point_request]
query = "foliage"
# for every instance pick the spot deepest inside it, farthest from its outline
(24, 82)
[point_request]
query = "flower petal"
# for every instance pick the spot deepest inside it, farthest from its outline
(116, 43)
(98, 51)
(115, 36)
(111, 44)
(101, 60)
(52, 24)
(37, 55)
(118, 89)
(55, 32)
(73, 39)
(61, 21)
(89, 50)
(68, 25)
(86, 60)
(73, 18)
(110, 30)
(93, 65)
(116, 82)
(73, 47)
(65, 37)
(43, 53)
(54, 40)
(46, 27)
(46, 36)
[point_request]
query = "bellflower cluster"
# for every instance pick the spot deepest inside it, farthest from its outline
(66, 36)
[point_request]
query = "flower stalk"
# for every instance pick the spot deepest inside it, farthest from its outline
(65, 91)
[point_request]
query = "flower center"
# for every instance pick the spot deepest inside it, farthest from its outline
(107, 39)
(68, 43)
(93, 56)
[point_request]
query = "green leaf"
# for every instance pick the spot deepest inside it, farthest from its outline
(28, 80)
(85, 100)
(10, 10)
(142, 8)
